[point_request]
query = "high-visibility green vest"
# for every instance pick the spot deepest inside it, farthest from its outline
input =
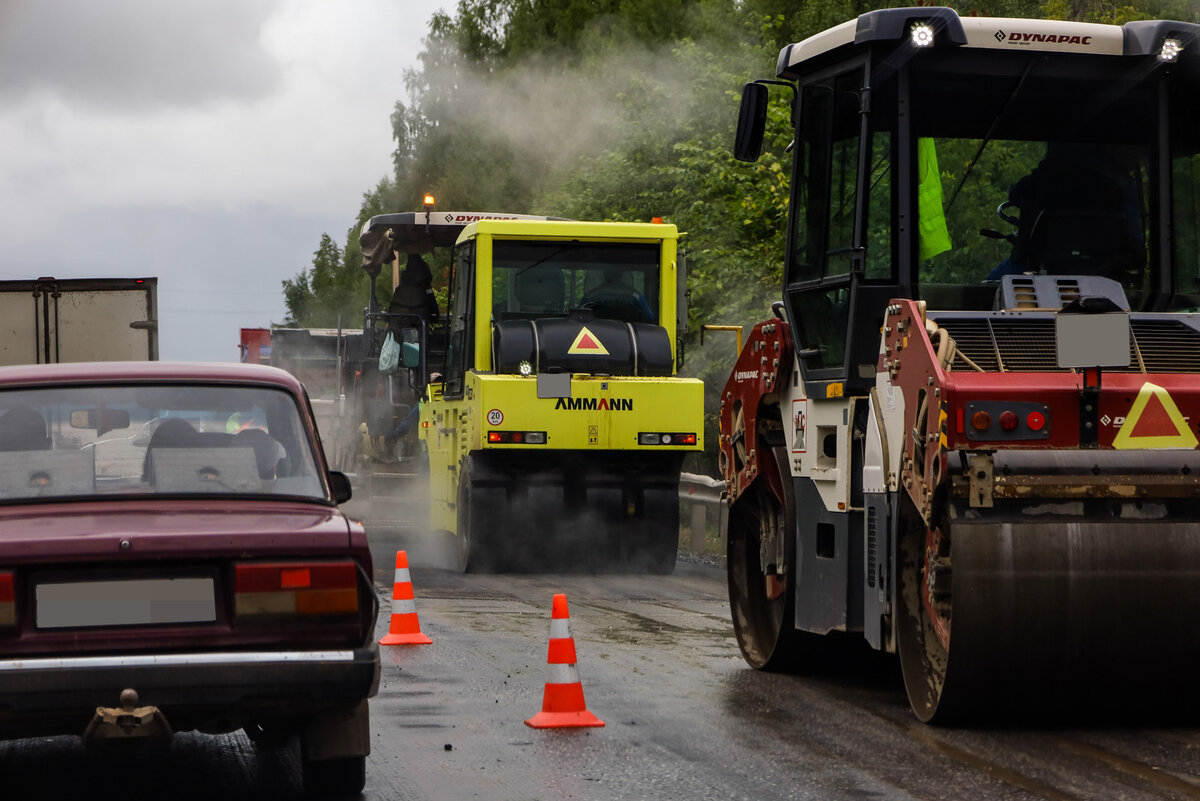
(932, 235)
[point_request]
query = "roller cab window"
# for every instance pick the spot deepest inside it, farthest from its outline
(1032, 170)
(536, 280)
(460, 343)
(835, 200)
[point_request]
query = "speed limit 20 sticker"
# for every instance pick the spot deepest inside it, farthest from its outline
(495, 417)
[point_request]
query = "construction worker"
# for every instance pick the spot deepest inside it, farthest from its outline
(414, 299)
(414, 295)
(1080, 210)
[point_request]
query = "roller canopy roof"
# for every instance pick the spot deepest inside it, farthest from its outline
(892, 25)
(385, 235)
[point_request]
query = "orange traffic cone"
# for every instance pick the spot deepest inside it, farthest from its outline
(404, 629)
(562, 703)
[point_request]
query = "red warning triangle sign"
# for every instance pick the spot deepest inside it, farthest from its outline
(587, 343)
(1154, 421)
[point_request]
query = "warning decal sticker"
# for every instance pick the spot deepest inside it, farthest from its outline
(799, 425)
(587, 343)
(1154, 421)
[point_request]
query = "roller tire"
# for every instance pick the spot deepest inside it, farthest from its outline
(764, 626)
(661, 529)
(664, 555)
(530, 522)
(923, 659)
(477, 518)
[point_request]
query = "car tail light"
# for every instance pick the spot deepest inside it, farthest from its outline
(8, 599)
(272, 590)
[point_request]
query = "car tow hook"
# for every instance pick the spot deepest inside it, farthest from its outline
(127, 722)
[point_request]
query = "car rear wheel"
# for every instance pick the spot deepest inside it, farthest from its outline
(268, 735)
(343, 777)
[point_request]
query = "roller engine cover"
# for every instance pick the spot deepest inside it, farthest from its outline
(608, 347)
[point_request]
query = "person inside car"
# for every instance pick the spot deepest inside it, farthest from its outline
(23, 429)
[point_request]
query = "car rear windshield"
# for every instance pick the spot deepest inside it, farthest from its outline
(169, 439)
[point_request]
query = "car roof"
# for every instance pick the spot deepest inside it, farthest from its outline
(147, 371)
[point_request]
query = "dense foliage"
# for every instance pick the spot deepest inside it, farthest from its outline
(616, 110)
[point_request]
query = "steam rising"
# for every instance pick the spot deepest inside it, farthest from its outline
(572, 141)
(404, 504)
(525, 129)
(551, 118)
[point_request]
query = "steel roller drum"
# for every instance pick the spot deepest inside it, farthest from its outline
(1065, 617)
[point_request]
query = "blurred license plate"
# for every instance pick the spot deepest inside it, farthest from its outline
(125, 603)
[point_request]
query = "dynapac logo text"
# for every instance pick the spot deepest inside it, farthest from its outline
(596, 404)
(1050, 38)
(745, 375)
(468, 218)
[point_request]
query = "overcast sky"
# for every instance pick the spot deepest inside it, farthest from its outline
(209, 143)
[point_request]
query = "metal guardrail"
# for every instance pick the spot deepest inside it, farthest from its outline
(701, 500)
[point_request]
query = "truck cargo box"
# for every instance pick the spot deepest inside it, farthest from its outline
(48, 320)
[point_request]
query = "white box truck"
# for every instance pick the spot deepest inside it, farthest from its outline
(51, 320)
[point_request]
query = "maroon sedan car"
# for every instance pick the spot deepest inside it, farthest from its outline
(172, 558)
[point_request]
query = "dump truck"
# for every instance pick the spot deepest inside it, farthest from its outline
(557, 423)
(49, 320)
(967, 434)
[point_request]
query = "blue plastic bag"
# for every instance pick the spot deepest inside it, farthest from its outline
(389, 355)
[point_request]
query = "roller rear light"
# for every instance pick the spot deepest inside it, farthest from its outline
(517, 437)
(268, 591)
(8, 599)
(666, 438)
(1003, 420)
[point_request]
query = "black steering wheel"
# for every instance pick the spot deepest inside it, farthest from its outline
(1002, 210)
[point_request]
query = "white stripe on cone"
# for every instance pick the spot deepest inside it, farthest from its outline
(562, 674)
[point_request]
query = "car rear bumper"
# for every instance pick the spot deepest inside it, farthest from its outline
(228, 684)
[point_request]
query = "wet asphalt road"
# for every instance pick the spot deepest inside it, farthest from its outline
(685, 718)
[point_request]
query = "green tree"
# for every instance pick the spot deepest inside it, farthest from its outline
(330, 293)
(622, 110)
